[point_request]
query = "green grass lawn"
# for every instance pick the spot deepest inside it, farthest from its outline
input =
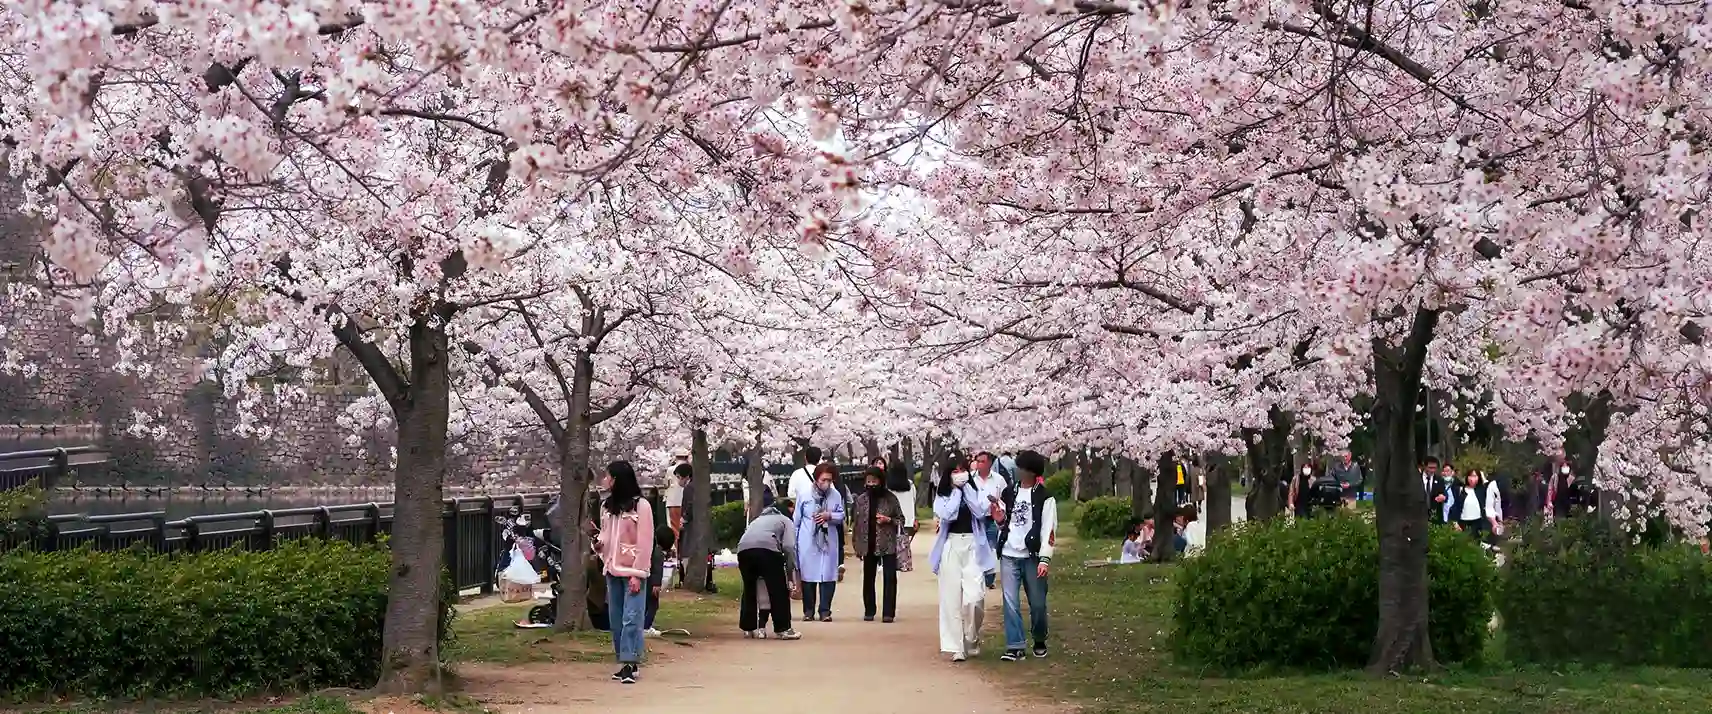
(487, 635)
(1110, 653)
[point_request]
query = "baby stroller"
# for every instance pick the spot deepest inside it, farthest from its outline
(543, 556)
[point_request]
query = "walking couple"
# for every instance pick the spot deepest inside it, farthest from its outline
(1026, 517)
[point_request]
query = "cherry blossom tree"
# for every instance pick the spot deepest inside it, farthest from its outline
(1177, 225)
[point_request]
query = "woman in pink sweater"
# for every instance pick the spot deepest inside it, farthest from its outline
(627, 548)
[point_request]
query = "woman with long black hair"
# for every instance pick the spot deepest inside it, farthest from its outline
(961, 558)
(627, 549)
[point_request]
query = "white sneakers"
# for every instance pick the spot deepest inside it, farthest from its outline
(762, 634)
(651, 632)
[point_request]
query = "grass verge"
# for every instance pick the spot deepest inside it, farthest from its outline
(1110, 653)
(487, 635)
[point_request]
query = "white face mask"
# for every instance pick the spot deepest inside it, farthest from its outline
(1307, 470)
(959, 478)
(1564, 471)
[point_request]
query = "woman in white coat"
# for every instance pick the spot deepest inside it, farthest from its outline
(961, 557)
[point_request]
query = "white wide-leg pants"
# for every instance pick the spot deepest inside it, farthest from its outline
(962, 595)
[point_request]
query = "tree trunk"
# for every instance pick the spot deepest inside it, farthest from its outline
(571, 610)
(932, 450)
(871, 449)
(1400, 504)
(700, 540)
(755, 472)
(1078, 485)
(1165, 509)
(1581, 444)
(1141, 496)
(1105, 477)
(410, 641)
(1218, 515)
(1123, 477)
(1269, 458)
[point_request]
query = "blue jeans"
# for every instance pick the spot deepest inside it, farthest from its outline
(626, 611)
(992, 540)
(1023, 574)
(817, 593)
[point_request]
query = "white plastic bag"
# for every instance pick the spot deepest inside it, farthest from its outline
(519, 570)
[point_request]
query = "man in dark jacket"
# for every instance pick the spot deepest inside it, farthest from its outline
(1026, 538)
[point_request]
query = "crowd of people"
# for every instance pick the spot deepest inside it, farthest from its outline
(995, 529)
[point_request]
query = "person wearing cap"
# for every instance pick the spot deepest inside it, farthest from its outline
(1027, 533)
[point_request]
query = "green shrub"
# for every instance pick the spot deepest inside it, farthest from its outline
(23, 515)
(305, 615)
(1105, 517)
(1060, 485)
(1577, 592)
(1305, 593)
(729, 520)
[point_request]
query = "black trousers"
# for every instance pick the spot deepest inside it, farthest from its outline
(887, 563)
(767, 567)
(840, 529)
(1477, 529)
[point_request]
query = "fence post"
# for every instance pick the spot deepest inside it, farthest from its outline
(488, 559)
(61, 469)
(449, 534)
(266, 525)
(324, 523)
(47, 539)
(192, 535)
(159, 537)
(374, 522)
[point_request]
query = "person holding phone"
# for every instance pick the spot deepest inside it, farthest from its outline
(991, 484)
(627, 549)
(817, 521)
(961, 556)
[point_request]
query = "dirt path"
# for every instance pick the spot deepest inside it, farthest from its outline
(843, 666)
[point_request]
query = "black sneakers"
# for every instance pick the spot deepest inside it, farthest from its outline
(1012, 656)
(1040, 649)
(625, 674)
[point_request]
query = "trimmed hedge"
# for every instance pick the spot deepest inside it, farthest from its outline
(305, 615)
(1060, 485)
(1104, 517)
(1305, 593)
(729, 522)
(1579, 592)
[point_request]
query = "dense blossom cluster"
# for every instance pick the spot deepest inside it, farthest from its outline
(1133, 225)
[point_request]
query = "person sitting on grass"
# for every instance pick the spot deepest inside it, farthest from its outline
(1135, 544)
(1180, 524)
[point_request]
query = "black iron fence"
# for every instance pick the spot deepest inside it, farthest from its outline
(473, 538)
(473, 542)
(47, 468)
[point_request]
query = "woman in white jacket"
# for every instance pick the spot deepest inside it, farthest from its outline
(961, 558)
